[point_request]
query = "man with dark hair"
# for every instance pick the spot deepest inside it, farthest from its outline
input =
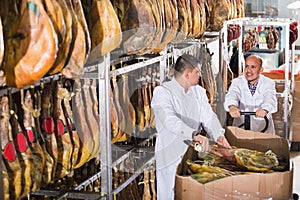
(181, 107)
(252, 92)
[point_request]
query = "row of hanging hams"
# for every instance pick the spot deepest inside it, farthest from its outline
(220, 11)
(250, 39)
(49, 131)
(143, 187)
(233, 32)
(207, 79)
(45, 37)
(40, 143)
(130, 110)
(272, 38)
(148, 26)
(293, 35)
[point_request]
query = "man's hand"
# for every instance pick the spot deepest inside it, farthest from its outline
(261, 113)
(234, 112)
(203, 141)
(222, 142)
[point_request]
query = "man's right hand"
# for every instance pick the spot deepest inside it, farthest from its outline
(234, 112)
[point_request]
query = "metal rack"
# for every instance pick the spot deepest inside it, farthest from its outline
(113, 155)
(284, 23)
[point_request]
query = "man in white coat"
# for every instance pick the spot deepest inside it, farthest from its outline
(252, 92)
(181, 107)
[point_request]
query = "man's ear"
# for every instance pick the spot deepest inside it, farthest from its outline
(261, 69)
(186, 74)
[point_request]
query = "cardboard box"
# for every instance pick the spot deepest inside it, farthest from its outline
(276, 185)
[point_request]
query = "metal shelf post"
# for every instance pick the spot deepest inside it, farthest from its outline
(105, 137)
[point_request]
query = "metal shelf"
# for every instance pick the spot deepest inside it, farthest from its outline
(134, 176)
(101, 71)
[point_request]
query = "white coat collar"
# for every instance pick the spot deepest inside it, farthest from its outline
(175, 87)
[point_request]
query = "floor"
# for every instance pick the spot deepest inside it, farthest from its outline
(295, 159)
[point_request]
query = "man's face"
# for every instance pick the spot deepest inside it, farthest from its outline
(252, 69)
(194, 76)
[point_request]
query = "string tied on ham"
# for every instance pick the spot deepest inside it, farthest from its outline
(4, 115)
(35, 112)
(63, 93)
(12, 113)
(142, 182)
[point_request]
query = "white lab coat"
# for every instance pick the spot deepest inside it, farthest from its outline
(263, 98)
(177, 115)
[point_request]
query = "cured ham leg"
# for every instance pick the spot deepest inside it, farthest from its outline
(49, 163)
(146, 193)
(105, 37)
(78, 9)
(12, 164)
(71, 127)
(77, 52)
(31, 134)
(56, 15)
(92, 122)
(152, 182)
(86, 140)
(138, 26)
(23, 151)
(140, 108)
(156, 8)
(93, 92)
(5, 181)
(113, 118)
(63, 139)
(31, 35)
(202, 19)
(120, 113)
(127, 106)
(48, 126)
(150, 88)
(145, 100)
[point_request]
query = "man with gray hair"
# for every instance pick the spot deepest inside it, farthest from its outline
(252, 92)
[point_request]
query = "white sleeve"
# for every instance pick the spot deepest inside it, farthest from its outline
(233, 95)
(209, 119)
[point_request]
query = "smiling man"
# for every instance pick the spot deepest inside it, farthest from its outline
(252, 92)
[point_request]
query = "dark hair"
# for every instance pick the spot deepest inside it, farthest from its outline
(184, 62)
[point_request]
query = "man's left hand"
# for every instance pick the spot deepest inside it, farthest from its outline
(222, 142)
(261, 113)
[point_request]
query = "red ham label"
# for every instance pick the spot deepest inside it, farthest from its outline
(21, 142)
(48, 125)
(10, 152)
(60, 129)
(30, 134)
